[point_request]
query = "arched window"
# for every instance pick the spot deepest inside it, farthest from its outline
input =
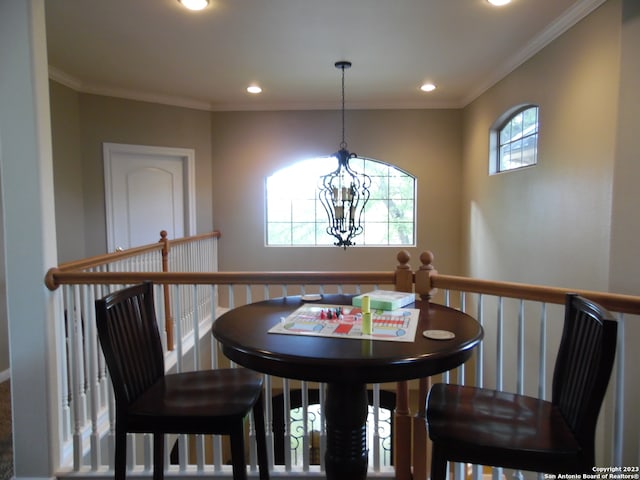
(514, 140)
(295, 216)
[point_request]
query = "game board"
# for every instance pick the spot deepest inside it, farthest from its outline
(345, 321)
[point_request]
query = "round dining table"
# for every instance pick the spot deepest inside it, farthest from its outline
(346, 365)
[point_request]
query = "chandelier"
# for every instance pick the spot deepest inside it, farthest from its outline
(344, 192)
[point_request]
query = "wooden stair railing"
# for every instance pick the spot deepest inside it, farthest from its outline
(428, 281)
(103, 261)
(402, 278)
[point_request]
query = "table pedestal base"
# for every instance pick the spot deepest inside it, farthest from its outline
(346, 413)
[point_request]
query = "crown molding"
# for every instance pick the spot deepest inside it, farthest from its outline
(65, 79)
(418, 105)
(177, 101)
(95, 89)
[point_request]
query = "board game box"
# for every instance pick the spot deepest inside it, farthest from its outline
(385, 299)
(345, 321)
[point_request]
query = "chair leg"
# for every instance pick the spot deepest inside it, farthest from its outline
(438, 463)
(158, 456)
(237, 452)
(120, 460)
(258, 420)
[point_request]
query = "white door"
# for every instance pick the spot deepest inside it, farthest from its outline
(147, 189)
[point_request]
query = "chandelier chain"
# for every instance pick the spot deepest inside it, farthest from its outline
(343, 144)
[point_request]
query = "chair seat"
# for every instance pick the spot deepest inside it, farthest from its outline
(504, 429)
(184, 401)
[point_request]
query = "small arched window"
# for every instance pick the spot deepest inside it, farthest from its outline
(514, 140)
(295, 216)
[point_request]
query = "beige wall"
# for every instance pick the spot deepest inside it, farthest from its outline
(571, 220)
(235, 152)
(102, 119)
(549, 224)
(625, 229)
(67, 178)
(249, 146)
(106, 119)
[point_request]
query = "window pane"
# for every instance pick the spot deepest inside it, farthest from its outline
(322, 237)
(379, 187)
(530, 119)
(516, 125)
(303, 233)
(401, 187)
(279, 210)
(377, 211)
(400, 233)
(376, 233)
(304, 210)
(505, 151)
(505, 134)
(279, 234)
(358, 165)
(321, 214)
(530, 145)
(401, 211)
(377, 169)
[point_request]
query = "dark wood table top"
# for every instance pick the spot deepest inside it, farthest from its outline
(243, 334)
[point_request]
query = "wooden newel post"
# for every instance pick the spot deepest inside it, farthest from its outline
(421, 443)
(168, 319)
(423, 276)
(402, 415)
(404, 275)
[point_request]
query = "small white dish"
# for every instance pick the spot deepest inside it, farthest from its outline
(311, 297)
(439, 334)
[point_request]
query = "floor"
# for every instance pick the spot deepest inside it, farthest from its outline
(6, 450)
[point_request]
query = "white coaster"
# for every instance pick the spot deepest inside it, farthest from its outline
(439, 334)
(311, 297)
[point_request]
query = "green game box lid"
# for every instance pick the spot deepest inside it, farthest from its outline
(385, 299)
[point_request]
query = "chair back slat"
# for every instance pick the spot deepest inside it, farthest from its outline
(583, 367)
(130, 340)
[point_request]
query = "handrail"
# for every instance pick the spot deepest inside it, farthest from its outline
(612, 301)
(68, 273)
(193, 238)
(56, 277)
(105, 258)
(428, 280)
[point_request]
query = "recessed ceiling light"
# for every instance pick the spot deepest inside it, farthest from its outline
(255, 89)
(194, 4)
(428, 87)
(499, 3)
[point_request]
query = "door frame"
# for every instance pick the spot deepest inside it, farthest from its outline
(188, 158)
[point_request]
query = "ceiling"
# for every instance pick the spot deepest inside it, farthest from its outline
(155, 50)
